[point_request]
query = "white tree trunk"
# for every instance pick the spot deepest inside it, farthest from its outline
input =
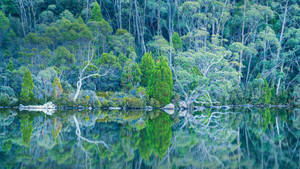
(243, 39)
(280, 41)
(79, 84)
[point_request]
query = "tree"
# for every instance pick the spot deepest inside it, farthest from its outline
(121, 42)
(63, 57)
(177, 43)
(88, 69)
(57, 88)
(26, 128)
(96, 13)
(147, 64)
(4, 28)
(26, 95)
(98, 25)
(131, 75)
(267, 93)
(156, 137)
(10, 66)
(160, 85)
(204, 75)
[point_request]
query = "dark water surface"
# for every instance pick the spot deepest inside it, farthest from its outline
(234, 138)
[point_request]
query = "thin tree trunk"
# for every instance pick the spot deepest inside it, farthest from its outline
(22, 12)
(170, 32)
(243, 39)
(280, 41)
(78, 85)
(248, 71)
(239, 148)
(87, 10)
(158, 19)
(129, 20)
(120, 14)
(136, 21)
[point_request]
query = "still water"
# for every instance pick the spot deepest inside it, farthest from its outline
(233, 138)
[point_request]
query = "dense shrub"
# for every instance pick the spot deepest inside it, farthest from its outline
(133, 102)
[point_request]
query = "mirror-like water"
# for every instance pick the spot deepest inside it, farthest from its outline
(235, 138)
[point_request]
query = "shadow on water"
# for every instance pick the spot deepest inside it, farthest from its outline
(211, 138)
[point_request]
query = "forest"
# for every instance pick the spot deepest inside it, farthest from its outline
(137, 53)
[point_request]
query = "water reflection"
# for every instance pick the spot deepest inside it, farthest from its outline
(235, 138)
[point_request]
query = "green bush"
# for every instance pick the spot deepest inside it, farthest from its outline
(4, 99)
(104, 94)
(154, 103)
(133, 102)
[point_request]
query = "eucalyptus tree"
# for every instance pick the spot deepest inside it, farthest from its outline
(204, 75)
(89, 69)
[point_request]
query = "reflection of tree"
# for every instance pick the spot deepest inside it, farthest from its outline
(207, 140)
(156, 136)
(145, 148)
(26, 128)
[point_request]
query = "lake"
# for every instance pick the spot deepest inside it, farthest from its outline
(212, 138)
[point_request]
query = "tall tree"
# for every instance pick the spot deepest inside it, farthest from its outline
(147, 65)
(160, 85)
(26, 95)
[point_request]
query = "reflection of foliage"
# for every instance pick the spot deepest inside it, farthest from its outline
(26, 128)
(201, 144)
(156, 136)
(145, 145)
(56, 128)
(267, 118)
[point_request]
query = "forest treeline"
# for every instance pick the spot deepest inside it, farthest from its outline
(134, 53)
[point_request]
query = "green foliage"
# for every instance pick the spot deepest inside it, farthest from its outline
(108, 60)
(156, 137)
(177, 43)
(121, 42)
(10, 66)
(4, 22)
(63, 56)
(132, 102)
(26, 95)
(131, 75)
(147, 64)
(57, 88)
(214, 36)
(266, 118)
(267, 93)
(96, 13)
(296, 95)
(160, 85)
(26, 129)
(4, 99)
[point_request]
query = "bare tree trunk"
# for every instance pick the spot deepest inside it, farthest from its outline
(136, 21)
(239, 147)
(243, 39)
(87, 10)
(248, 71)
(78, 85)
(33, 13)
(23, 16)
(129, 20)
(158, 19)
(82, 73)
(280, 41)
(170, 31)
(80, 137)
(140, 33)
(120, 14)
